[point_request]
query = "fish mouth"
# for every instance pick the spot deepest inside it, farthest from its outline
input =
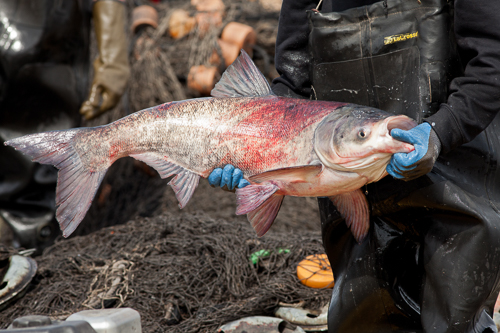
(392, 145)
(401, 122)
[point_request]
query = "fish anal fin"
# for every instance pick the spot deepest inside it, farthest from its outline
(242, 79)
(251, 197)
(353, 207)
(159, 163)
(184, 184)
(292, 174)
(263, 217)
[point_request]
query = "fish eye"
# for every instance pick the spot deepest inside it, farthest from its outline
(362, 134)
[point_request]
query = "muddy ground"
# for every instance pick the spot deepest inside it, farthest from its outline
(183, 270)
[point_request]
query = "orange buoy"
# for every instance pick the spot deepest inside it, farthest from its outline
(229, 52)
(208, 5)
(180, 23)
(203, 79)
(315, 271)
(210, 13)
(208, 20)
(144, 15)
(241, 35)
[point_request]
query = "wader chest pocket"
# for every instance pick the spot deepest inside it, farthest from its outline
(397, 57)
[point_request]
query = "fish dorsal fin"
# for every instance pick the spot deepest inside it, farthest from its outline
(242, 79)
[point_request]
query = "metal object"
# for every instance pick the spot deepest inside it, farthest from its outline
(259, 324)
(121, 320)
(19, 274)
(32, 232)
(43, 324)
(31, 321)
(309, 321)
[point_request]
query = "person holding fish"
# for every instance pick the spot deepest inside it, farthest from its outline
(431, 260)
(417, 250)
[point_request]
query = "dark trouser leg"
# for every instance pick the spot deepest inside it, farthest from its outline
(27, 199)
(436, 252)
(367, 287)
(461, 258)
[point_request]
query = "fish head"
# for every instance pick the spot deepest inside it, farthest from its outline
(358, 137)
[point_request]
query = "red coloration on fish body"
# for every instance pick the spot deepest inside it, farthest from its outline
(114, 152)
(264, 134)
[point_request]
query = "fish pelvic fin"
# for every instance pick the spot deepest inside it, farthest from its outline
(353, 207)
(242, 79)
(183, 184)
(76, 186)
(260, 204)
(263, 217)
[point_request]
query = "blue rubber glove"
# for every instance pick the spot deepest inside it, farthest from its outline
(408, 166)
(228, 178)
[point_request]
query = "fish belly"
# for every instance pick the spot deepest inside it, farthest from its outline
(328, 183)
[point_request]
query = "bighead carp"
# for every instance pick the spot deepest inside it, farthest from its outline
(284, 146)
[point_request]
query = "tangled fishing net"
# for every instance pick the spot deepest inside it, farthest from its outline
(183, 273)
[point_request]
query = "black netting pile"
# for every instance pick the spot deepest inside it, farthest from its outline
(183, 273)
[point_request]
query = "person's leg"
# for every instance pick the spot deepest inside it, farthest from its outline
(363, 298)
(434, 263)
(461, 259)
(27, 200)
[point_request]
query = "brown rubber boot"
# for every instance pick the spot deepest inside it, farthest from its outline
(111, 68)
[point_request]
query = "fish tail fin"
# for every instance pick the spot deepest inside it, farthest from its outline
(76, 184)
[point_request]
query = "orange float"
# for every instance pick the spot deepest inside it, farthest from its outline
(208, 5)
(210, 13)
(229, 52)
(242, 35)
(315, 272)
(144, 15)
(180, 23)
(207, 21)
(203, 79)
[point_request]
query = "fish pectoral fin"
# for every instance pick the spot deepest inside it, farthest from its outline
(353, 207)
(299, 174)
(260, 204)
(242, 79)
(183, 184)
